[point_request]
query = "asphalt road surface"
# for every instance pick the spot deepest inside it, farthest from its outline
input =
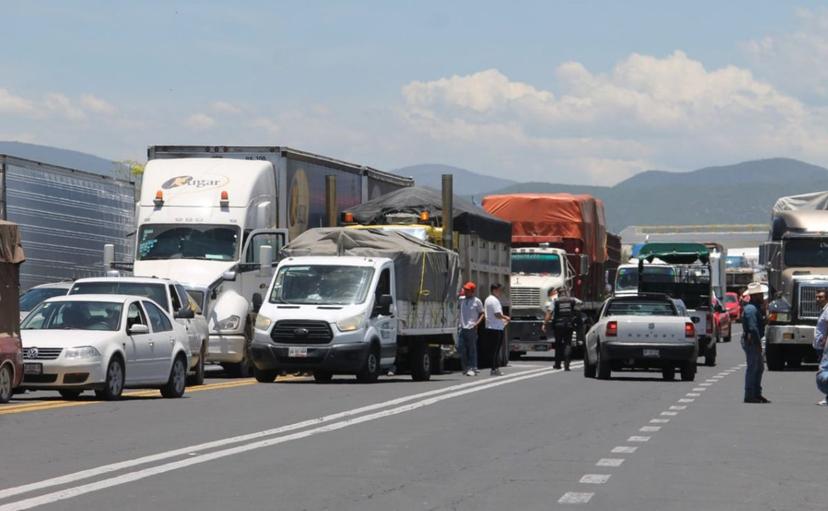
(536, 438)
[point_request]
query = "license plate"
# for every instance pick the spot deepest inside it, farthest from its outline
(651, 353)
(32, 368)
(298, 352)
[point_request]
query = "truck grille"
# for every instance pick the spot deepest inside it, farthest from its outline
(808, 308)
(525, 297)
(301, 332)
(41, 353)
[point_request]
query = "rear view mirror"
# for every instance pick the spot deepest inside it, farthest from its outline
(184, 314)
(138, 329)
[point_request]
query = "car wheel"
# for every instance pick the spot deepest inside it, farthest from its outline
(668, 373)
(178, 379)
(5, 383)
(688, 371)
(420, 363)
(371, 366)
(322, 376)
(589, 369)
(114, 384)
(197, 378)
(710, 356)
(265, 375)
(603, 368)
(70, 395)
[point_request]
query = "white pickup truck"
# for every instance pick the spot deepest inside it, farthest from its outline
(172, 297)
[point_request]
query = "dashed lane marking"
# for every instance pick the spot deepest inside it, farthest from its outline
(650, 429)
(678, 407)
(686, 400)
(659, 421)
(638, 439)
(594, 478)
(610, 462)
(693, 394)
(669, 414)
(624, 449)
(572, 497)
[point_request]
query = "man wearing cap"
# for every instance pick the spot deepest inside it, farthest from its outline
(819, 341)
(753, 330)
(471, 314)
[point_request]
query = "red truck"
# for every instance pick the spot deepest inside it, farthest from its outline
(558, 241)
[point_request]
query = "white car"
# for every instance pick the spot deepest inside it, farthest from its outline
(172, 297)
(103, 343)
(38, 294)
(645, 331)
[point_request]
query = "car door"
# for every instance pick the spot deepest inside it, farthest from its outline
(138, 347)
(255, 275)
(177, 302)
(163, 342)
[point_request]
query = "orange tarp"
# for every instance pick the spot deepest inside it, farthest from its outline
(539, 217)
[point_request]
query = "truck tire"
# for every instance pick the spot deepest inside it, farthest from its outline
(265, 375)
(710, 355)
(420, 362)
(602, 368)
(438, 360)
(688, 371)
(668, 373)
(322, 376)
(775, 358)
(371, 366)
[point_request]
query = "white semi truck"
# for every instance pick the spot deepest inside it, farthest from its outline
(214, 218)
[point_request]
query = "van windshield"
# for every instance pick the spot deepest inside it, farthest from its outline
(206, 242)
(321, 284)
(538, 264)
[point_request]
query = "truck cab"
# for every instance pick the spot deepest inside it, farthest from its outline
(210, 223)
(626, 278)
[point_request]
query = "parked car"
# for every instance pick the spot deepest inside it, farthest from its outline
(721, 322)
(103, 343)
(38, 294)
(11, 366)
(646, 331)
(731, 303)
(172, 297)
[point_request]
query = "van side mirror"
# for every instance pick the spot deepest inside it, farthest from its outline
(383, 305)
(256, 302)
(185, 313)
(138, 329)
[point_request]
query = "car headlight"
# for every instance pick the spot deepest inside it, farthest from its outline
(350, 324)
(229, 323)
(82, 352)
(263, 322)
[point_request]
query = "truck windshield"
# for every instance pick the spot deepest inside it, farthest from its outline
(806, 252)
(628, 277)
(734, 262)
(321, 285)
(209, 242)
(544, 264)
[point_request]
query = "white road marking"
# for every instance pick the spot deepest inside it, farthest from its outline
(711, 380)
(610, 462)
(669, 414)
(699, 389)
(705, 384)
(686, 400)
(595, 478)
(693, 394)
(681, 407)
(572, 497)
(650, 429)
(137, 475)
(638, 439)
(623, 449)
(659, 421)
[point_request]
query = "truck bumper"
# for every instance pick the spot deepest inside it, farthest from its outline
(335, 358)
(226, 348)
(634, 352)
(527, 336)
(790, 334)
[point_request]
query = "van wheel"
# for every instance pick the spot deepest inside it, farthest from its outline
(710, 356)
(178, 379)
(197, 378)
(371, 367)
(5, 383)
(688, 371)
(114, 384)
(602, 367)
(420, 363)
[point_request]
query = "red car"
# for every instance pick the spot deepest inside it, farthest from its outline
(731, 302)
(721, 322)
(11, 365)
(11, 349)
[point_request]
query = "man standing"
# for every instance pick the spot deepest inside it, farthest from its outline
(471, 314)
(821, 331)
(495, 325)
(753, 330)
(563, 320)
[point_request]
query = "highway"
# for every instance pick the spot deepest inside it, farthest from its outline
(536, 438)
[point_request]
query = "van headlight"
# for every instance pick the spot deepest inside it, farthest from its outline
(229, 323)
(263, 322)
(82, 352)
(350, 324)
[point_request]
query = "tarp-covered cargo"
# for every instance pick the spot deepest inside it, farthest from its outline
(468, 218)
(815, 201)
(539, 217)
(11, 255)
(427, 275)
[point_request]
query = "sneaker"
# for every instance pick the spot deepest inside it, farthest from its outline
(497, 372)
(763, 399)
(470, 372)
(824, 402)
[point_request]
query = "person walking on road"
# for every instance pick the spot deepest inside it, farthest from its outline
(496, 323)
(564, 320)
(471, 314)
(820, 334)
(753, 330)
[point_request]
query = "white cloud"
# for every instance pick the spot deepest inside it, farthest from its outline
(12, 104)
(62, 105)
(97, 105)
(270, 127)
(200, 122)
(223, 107)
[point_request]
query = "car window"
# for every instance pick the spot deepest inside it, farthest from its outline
(640, 308)
(155, 292)
(176, 301)
(190, 302)
(75, 316)
(158, 319)
(135, 316)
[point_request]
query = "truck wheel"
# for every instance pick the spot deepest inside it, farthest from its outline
(668, 373)
(710, 356)
(688, 371)
(265, 375)
(589, 369)
(322, 376)
(438, 360)
(603, 367)
(420, 363)
(371, 367)
(197, 378)
(775, 358)
(515, 355)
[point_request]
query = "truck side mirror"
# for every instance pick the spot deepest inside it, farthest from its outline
(265, 258)
(256, 302)
(229, 276)
(584, 265)
(383, 305)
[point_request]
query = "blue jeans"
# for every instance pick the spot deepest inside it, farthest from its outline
(467, 346)
(755, 368)
(822, 375)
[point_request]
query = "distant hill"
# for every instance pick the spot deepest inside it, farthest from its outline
(64, 158)
(465, 182)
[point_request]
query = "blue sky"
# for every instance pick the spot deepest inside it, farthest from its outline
(573, 91)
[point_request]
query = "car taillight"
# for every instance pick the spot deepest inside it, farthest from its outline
(689, 329)
(709, 326)
(612, 329)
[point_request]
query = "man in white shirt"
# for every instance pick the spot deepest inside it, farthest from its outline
(496, 323)
(471, 314)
